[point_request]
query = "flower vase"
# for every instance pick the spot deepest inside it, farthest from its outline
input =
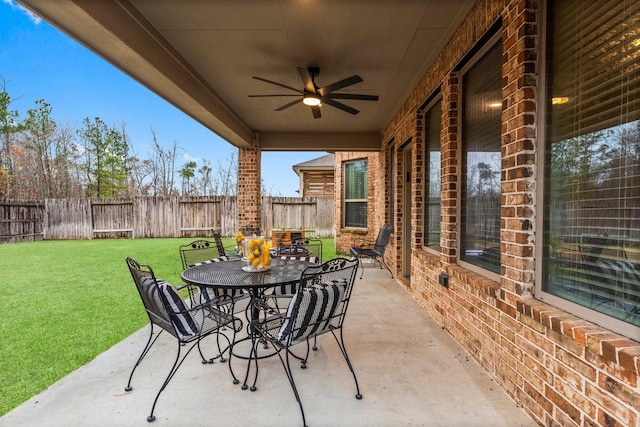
(256, 253)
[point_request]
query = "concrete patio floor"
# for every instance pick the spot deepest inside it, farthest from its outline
(410, 371)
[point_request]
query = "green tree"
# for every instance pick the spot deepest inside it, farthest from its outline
(187, 172)
(106, 158)
(40, 130)
(10, 125)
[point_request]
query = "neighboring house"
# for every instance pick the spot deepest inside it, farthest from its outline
(317, 177)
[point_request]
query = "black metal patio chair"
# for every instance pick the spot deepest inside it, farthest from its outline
(206, 251)
(318, 307)
(301, 246)
(189, 326)
(363, 248)
(201, 250)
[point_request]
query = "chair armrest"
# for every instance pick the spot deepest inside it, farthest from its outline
(267, 309)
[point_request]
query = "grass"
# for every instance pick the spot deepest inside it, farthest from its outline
(65, 302)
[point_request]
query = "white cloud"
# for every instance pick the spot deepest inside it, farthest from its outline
(188, 158)
(34, 18)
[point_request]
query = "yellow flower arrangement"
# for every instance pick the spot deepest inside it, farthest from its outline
(239, 238)
(258, 253)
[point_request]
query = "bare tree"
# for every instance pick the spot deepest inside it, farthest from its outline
(225, 177)
(163, 167)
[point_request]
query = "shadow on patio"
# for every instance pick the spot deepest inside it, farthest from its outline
(411, 372)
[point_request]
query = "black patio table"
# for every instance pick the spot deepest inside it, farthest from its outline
(233, 274)
(230, 274)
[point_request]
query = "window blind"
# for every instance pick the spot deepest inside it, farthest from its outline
(592, 169)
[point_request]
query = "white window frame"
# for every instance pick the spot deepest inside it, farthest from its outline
(344, 193)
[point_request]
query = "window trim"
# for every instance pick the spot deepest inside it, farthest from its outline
(542, 96)
(344, 195)
(489, 43)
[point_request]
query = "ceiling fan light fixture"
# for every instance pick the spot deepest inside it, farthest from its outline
(311, 99)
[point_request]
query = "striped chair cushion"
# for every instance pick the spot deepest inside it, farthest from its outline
(181, 318)
(310, 311)
(212, 260)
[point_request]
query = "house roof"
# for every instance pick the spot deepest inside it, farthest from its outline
(201, 56)
(319, 163)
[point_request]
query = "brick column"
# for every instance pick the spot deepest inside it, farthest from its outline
(449, 170)
(518, 149)
(249, 185)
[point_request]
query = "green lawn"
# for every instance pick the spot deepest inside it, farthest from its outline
(65, 302)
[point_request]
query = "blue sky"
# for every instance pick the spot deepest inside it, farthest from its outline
(39, 62)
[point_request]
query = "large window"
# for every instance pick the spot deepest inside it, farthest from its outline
(432, 190)
(355, 194)
(591, 256)
(481, 161)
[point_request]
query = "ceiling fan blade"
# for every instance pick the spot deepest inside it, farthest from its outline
(340, 106)
(278, 84)
(263, 96)
(316, 112)
(340, 84)
(353, 96)
(306, 79)
(290, 104)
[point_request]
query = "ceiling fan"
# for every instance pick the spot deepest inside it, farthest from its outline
(315, 96)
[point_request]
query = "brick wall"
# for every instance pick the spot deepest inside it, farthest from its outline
(345, 236)
(561, 369)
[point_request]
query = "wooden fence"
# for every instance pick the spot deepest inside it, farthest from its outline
(21, 220)
(93, 218)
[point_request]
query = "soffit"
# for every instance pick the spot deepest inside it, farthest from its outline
(200, 55)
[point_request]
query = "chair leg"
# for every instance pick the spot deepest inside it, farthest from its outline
(343, 349)
(287, 369)
(174, 368)
(231, 344)
(361, 267)
(384, 264)
(253, 357)
(145, 350)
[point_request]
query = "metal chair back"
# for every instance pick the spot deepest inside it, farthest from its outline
(147, 286)
(199, 251)
(384, 235)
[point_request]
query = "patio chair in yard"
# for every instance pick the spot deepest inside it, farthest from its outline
(318, 307)
(167, 310)
(205, 251)
(300, 246)
(373, 249)
(201, 250)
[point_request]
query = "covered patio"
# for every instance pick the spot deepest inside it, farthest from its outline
(410, 370)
